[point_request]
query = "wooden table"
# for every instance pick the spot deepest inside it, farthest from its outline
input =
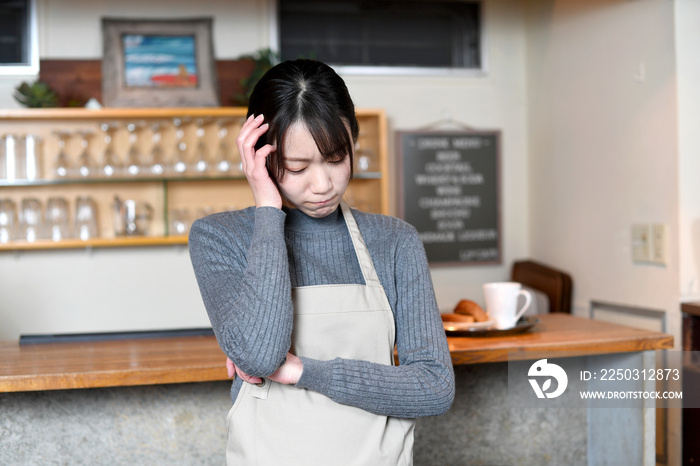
(198, 359)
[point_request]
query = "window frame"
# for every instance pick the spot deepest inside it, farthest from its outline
(32, 68)
(416, 71)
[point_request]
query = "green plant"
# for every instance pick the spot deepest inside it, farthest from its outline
(35, 95)
(263, 60)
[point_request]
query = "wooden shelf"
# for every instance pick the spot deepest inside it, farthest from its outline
(130, 113)
(119, 113)
(170, 192)
(134, 241)
(146, 179)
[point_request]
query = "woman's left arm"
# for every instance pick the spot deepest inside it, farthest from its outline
(423, 383)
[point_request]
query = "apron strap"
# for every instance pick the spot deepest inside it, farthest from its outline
(366, 265)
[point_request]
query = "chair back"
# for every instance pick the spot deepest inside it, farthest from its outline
(557, 285)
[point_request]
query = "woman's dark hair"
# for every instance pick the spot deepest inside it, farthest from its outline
(309, 92)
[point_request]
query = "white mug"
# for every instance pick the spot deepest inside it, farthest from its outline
(502, 301)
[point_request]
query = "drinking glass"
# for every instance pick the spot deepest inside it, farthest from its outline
(364, 158)
(132, 217)
(33, 156)
(85, 218)
(57, 222)
(223, 163)
(20, 156)
(180, 156)
(3, 158)
(10, 157)
(235, 155)
(86, 166)
(110, 161)
(134, 159)
(201, 163)
(30, 219)
(157, 165)
(62, 168)
(180, 222)
(24, 143)
(8, 220)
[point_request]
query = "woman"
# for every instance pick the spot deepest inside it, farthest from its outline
(308, 297)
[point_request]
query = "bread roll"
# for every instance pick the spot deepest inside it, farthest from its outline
(470, 308)
(456, 318)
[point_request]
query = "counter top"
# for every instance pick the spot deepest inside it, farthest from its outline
(57, 366)
(558, 332)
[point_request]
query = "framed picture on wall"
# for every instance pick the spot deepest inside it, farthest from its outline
(158, 63)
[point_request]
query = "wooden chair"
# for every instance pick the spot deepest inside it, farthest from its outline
(557, 285)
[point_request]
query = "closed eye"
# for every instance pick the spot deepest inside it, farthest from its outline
(295, 172)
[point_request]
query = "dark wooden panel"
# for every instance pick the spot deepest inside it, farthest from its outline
(76, 81)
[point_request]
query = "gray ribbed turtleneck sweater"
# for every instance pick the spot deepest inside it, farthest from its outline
(246, 263)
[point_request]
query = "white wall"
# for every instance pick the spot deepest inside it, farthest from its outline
(148, 288)
(603, 147)
(7, 86)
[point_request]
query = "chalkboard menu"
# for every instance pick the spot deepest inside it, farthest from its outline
(449, 191)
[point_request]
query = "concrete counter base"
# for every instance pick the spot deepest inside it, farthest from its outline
(184, 424)
(179, 424)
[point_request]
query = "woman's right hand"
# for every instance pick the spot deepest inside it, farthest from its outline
(232, 370)
(288, 373)
(264, 189)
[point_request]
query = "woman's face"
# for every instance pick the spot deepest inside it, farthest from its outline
(311, 183)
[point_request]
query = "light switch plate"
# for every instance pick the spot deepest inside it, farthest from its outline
(641, 247)
(658, 244)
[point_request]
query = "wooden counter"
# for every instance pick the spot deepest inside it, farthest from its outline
(559, 332)
(56, 366)
(198, 359)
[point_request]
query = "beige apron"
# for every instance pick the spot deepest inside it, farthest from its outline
(274, 424)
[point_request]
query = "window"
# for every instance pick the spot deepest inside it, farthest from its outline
(18, 37)
(382, 33)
